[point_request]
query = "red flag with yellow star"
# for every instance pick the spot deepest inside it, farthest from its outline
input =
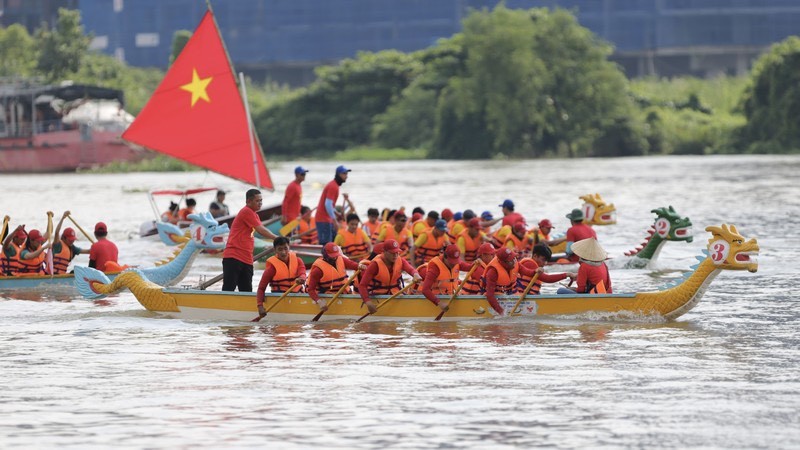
(197, 114)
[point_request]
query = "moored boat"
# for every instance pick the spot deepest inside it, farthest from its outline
(727, 250)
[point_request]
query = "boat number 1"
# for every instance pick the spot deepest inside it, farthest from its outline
(588, 212)
(662, 227)
(719, 251)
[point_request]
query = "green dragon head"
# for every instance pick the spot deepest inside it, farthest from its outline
(597, 212)
(727, 249)
(671, 226)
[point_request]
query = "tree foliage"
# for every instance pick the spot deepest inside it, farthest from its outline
(16, 48)
(63, 48)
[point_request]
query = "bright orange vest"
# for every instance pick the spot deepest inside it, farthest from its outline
(32, 266)
(354, 245)
(303, 226)
(373, 229)
(472, 285)
(432, 247)
(506, 279)
(61, 259)
(401, 238)
(471, 245)
(386, 281)
(520, 245)
(284, 274)
(523, 280)
(418, 227)
(11, 264)
(333, 277)
(447, 279)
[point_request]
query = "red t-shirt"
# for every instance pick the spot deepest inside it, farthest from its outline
(512, 218)
(589, 274)
(102, 252)
(292, 200)
(240, 239)
(331, 191)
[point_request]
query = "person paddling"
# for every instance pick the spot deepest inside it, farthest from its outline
(593, 276)
(384, 274)
(442, 275)
(64, 250)
(473, 285)
(328, 274)
(12, 247)
(501, 276)
(354, 241)
(280, 273)
(32, 256)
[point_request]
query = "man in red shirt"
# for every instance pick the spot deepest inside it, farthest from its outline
(501, 276)
(593, 276)
(102, 251)
(383, 274)
(441, 276)
(509, 216)
(328, 274)
(577, 232)
(293, 198)
(327, 224)
(237, 259)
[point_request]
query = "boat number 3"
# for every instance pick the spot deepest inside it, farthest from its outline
(588, 212)
(719, 251)
(662, 227)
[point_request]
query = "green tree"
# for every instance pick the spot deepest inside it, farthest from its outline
(179, 40)
(62, 49)
(17, 51)
(771, 101)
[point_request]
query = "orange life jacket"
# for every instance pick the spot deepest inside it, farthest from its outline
(355, 247)
(333, 277)
(11, 264)
(401, 238)
(523, 280)
(373, 229)
(447, 279)
(432, 247)
(62, 259)
(471, 245)
(538, 236)
(303, 226)
(506, 279)
(184, 213)
(455, 228)
(520, 245)
(284, 274)
(472, 285)
(386, 281)
(419, 226)
(169, 217)
(32, 266)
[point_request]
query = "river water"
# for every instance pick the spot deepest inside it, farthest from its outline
(83, 374)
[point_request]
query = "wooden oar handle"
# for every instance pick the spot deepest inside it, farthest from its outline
(81, 228)
(395, 295)
(524, 293)
(285, 293)
(338, 293)
(458, 289)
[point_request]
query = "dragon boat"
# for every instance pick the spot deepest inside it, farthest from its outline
(206, 233)
(727, 250)
(596, 212)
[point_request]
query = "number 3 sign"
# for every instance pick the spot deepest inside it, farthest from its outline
(718, 251)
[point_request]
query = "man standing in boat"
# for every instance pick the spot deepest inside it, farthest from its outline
(327, 224)
(218, 208)
(293, 198)
(237, 259)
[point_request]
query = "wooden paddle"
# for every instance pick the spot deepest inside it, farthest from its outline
(296, 282)
(395, 295)
(80, 228)
(292, 224)
(458, 289)
(202, 286)
(49, 256)
(524, 293)
(338, 293)
(5, 227)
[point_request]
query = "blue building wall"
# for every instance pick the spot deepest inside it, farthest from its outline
(680, 36)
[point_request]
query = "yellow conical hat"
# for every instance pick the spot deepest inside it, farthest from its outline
(590, 250)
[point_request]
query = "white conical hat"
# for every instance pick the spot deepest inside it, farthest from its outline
(590, 250)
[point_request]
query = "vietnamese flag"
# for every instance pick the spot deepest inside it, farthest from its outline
(197, 114)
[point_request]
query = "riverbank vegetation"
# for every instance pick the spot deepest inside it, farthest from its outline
(512, 84)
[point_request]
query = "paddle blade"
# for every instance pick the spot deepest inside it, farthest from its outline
(316, 318)
(286, 229)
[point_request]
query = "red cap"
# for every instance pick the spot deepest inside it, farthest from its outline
(545, 223)
(452, 253)
(519, 227)
(474, 223)
(391, 246)
(68, 234)
(20, 234)
(416, 216)
(101, 228)
(486, 249)
(447, 214)
(35, 236)
(332, 250)
(505, 254)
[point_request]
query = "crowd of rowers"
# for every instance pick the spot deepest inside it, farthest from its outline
(433, 249)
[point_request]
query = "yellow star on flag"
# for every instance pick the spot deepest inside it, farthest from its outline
(198, 87)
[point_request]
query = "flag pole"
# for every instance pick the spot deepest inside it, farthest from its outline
(249, 128)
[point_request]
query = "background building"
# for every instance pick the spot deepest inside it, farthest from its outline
(285, 39)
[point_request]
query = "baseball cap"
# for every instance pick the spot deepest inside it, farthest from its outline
(100, 228)
(447, 214)
(507, 203)
(441, 224)
(474, 223)
(458, 215)
(299, 170)
(519, 227)
(20, 234)
(390, 245)
(69, 234)
(486, 248)
(545, 223)
(416, 216)
(505, 254)
(452, 253)
(342, 169)
(35, 236)
(486, 215)
(332, 250)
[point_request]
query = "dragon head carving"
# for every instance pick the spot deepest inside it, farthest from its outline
(205, 231)
(727, 249)
(597, 212)
(671, 226)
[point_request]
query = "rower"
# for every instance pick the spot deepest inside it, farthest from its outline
(423, 225)
(329, 273)
(400, 233)
(384, 274)
(470, 240)
(12, 247)
(65, 250)
(501, 276)
(431, 242)
(472, 286)
(281, 272)
(442, 277)
(372, 224)
(31, 258)
(593, 276)
(541, 255)
(354, 241)
(518, 241)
